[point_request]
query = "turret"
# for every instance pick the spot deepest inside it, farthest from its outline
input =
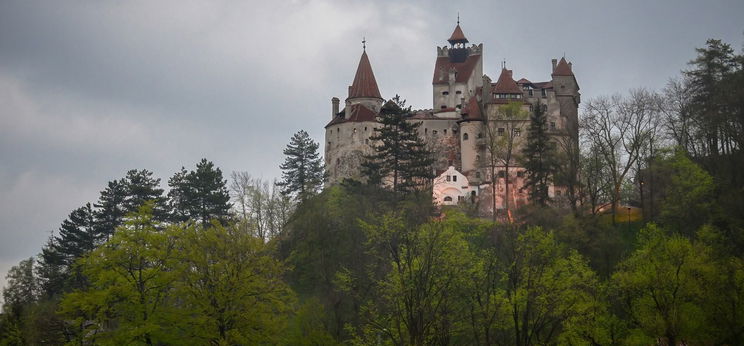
(334, 107)
(364, 89)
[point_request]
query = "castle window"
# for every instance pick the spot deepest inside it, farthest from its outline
(448, 178)
(465, 136)
(460, 198)
(458, 92)
(480, 135)
(544, 108)
(366, 141)
(445, 131)
(354, 131)
(443, 106)
(501, 131)
(458, 106)
(529, 92)
(520, 174)
(544, 92)
(557, 192)
(434, 132)
(454, 178)
(426, 131)
(477, 175)
(552, 125)
(454, 130)
(445, 92)
(365, 128)
(329, 144)
(448, 199)
(517, 132)
(502, 174)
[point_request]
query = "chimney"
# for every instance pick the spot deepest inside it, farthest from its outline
(334, 102)
(570, 66)
(555, 62)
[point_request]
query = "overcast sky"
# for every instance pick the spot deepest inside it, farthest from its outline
(90, 89)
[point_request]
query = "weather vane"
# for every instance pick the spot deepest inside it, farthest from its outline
(458, 17)
(364, 43)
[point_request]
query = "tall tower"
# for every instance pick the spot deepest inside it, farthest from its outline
(457, 74)
(347, 134)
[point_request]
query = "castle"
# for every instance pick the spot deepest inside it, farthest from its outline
(466, 105)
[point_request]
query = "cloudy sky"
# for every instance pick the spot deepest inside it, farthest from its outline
(90, 89)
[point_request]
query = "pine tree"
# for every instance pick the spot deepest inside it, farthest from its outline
(140, 187)
(77, 235)
(539, 156)
(302, 171)
(110, 208)
(199, 195)
(401, 154)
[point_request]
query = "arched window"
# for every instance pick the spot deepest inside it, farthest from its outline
(448, 199)
(465, 136)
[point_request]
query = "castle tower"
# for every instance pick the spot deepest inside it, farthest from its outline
(457, 74)
(567, 94)
(364, 88)
(347, 134)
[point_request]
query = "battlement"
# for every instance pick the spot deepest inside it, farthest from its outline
(472, 50)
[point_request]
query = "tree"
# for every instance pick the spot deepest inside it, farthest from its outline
(19, 294)
(302, 170)
(131, 280)
(416, 304)
(503, 130)
(400, 154)
(619, 128)
(662, 285)
(231, 286)
(110, 208)
(539, 156)
(140, 187)
(200, 195)
(259, 204)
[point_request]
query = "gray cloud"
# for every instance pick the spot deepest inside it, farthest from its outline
(91, 89)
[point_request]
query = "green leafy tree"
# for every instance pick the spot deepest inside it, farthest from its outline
(199, 195)
(417, 298)
(19, 294)
(539, 157)
(688, 195)
(131, 276)
(302, 171)
(662, 286)
(400, 154)
(231, 286)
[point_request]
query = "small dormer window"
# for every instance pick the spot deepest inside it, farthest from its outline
(449, 178)
(454, 178)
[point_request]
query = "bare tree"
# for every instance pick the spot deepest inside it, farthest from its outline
(619, 127)
(261, 205)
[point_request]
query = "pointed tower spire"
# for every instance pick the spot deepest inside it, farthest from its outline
(457, 36)
(364, 84)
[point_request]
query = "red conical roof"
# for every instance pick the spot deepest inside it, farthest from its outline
(562, 69)
(457, 36)
(364, 84)
(506, 84)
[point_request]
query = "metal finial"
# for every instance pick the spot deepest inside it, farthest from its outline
(364, 43)
(458, 17)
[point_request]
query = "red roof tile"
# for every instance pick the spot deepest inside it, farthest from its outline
(357, 113)
(464, 69)
(457, 36)
(472, 111)
(364, 84)
(562, 69)
(506, 84)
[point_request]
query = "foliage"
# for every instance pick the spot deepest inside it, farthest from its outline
(539, 157)
(400, 155)
(302, 170)
(199, 195)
